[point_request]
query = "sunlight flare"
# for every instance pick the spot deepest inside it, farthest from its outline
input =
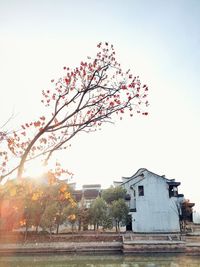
(35, 169)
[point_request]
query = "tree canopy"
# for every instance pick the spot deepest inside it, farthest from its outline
(113, 193)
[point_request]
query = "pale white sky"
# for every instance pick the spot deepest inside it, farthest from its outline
(157, 39)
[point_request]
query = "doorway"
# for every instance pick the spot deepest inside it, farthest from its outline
(129, 223)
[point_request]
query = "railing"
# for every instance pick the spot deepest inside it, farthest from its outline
(166, 237)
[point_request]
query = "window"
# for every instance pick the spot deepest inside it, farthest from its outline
(173, 191)
(134, 194)
(141, 190)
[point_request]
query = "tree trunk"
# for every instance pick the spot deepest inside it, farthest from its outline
(36, 229)
(73, 231)
(79, 225)
(50, 230)
(116, 226)
(57, 228)
(25, 155)
(26, 233)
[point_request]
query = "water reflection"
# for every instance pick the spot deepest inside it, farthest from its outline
(100, 261)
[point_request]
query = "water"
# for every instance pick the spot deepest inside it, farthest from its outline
(100, 261)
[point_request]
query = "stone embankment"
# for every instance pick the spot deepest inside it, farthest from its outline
(62, 243)
(61, 247)
(162, 243)
(128, 243)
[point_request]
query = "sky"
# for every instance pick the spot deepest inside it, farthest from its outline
(159, 40)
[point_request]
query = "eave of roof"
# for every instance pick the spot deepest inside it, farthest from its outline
(173, 183)
(140, 173)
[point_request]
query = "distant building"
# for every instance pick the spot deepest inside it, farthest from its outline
(87, 194)
(84, 198)
(154, 202)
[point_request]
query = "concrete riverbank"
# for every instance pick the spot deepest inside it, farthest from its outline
(61, 247)
(128, 244)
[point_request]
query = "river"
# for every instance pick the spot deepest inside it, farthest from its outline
(100, 261)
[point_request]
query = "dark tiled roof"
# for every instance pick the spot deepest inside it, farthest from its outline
(91, 193)
(92, 186)
(173, 183)
(77, 195)
(87, 194)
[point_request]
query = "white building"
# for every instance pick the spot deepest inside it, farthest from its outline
(154, 202)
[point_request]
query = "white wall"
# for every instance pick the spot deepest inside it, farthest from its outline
(155, 211)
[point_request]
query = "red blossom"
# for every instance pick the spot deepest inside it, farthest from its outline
(83, 99)
(37, 123)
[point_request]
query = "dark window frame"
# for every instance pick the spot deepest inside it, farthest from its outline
(140, 190)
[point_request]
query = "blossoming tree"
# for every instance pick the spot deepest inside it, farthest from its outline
(83, 99)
